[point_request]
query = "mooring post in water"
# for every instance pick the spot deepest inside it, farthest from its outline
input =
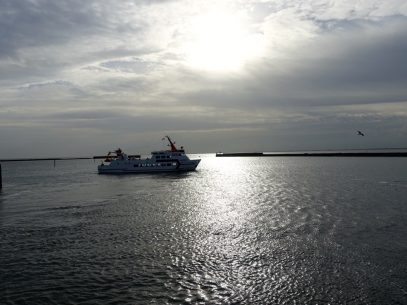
(1, 183)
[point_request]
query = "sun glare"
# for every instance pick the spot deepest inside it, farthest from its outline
(220, 42)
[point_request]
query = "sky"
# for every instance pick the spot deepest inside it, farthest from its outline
(80, 78)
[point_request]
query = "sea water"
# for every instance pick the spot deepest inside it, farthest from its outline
(236, 231)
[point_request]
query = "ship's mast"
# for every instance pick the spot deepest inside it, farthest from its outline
(172, 144)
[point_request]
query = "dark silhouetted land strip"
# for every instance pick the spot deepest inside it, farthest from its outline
(61, 159)
(315, 154)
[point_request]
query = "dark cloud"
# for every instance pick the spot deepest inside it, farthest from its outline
(45, 22)
(371, 55)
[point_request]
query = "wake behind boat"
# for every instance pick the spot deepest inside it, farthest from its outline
(172, 160)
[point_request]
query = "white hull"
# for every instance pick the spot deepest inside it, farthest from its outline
(145, 167)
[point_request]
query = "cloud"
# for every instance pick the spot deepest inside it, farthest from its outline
(326, 65)
(364, 66)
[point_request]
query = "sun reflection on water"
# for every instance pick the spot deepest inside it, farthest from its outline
(224, 218)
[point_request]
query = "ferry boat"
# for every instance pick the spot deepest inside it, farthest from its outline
(172, 160)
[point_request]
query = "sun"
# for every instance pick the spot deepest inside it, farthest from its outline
(220, 42)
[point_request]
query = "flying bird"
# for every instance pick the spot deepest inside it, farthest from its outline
(360, 133)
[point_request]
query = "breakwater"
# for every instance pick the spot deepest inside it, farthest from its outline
(314, 154)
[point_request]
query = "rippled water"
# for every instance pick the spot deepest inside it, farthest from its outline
(236, 231)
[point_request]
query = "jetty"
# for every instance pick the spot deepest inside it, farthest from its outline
(317, 154)
(60, 158)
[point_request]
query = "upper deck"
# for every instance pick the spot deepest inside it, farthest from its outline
(167, 154)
